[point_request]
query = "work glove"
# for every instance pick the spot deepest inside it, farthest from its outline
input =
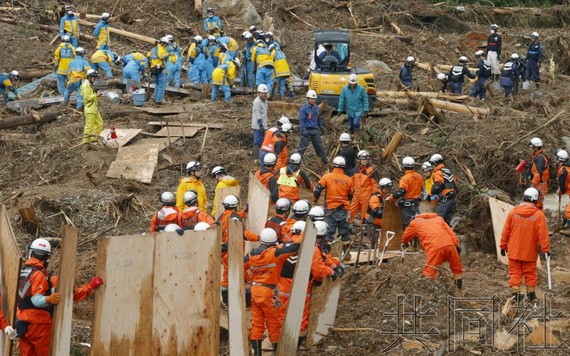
(54, 299)
(180, 231)
(342, 267)
(334, 276)
(549, 253)
(96, 282)
(224, 248)
(400, 203)
(503, 253)
(260, 122)
(404, 246)
(458, 249)
(10, 332)
(339, 271)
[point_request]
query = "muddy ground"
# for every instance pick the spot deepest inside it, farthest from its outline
(64, 180)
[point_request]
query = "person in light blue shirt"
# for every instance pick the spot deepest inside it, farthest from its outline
(354, 101)
(212, 22)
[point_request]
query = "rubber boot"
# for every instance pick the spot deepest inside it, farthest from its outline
(256, 344)
(531, 297)
(225, 295)
(275, 345)
(458, 283)
(301, 341)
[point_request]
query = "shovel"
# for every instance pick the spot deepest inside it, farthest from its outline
(389, 236)
(404, 252)
(548, 271)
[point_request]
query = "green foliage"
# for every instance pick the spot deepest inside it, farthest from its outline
(506, 3)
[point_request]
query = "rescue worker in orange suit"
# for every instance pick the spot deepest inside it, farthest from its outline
(439, 242)
(264, 263)
(168, 214)
(282, 209)
(376, 209)
(564, 183)
(230, 204)
(444, 187)
(279, 141)
(267, 144)
(339, 190)
(300, 211)
(365, 183)
(409, 192)
(539, 171)
(192, 182)
(223, 181)
(36, 300)
(322, 266)
(192, 215)
(524, 230)
(317, 213)
(265, 175)
(291, 179)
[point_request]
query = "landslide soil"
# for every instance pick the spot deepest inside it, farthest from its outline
(66, 181)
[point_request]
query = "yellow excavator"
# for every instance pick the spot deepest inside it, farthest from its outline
(332, 67)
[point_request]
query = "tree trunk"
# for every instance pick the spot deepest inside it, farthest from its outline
(133, 36)
(29, 119)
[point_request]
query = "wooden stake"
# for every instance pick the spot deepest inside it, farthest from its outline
(30, 220)
(393, 144)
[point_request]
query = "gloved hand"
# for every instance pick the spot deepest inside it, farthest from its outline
(10, 332)
(342, 267)
(96, 282)
(458, 249)
(404, 246)
(224, 248)
(54, 299)
(400, 203)
(334, 276)
(180, 231)
(339, 271)
(549, 253)
(503, 253)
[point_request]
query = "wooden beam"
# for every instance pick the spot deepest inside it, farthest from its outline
(324, 302)
(459, 108)
(185, 124)
(224, 192)
(29, 119)
(63, 314)
(127, 34)
(258, 198)
(393, 144)
(421, 94)
(236, 292)
(34, 73)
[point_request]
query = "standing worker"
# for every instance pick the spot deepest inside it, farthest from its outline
(409, 191)
(300, 213)
(173, 63)
(376, 209)
(168, 213)
(457, 75)
(7, 86)
(277, 145)
(102, 32)
(312, 127)
(247, 76)
(365, 181)
(510, 75)
(259, 119)
(291, 179)
(406, 75)
(564, 183)
(191, 215)
(62, 56)
(37, 298)
(263, 59)
(427, 172)
(354, 101)
(444, 187)
(223, 77)
(212, 22)
(494, 46)
(479, 90)
(192, 182)
(266, 175)
(533, 59)
(93, 119)
(539, 170)
(267, 143)
(282, 210)
(439, 242)
(339, 189)
(282, 72)
(158, 57)
(524, 230)
(349, 152)
(77, 72)
(68, 25)
(223, 181)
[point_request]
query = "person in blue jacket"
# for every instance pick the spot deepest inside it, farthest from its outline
(212, 22)
(312, 127)
(354, 101)
(101, 32)
(406, 76)
(7, 86)
(483, 74)
(510, 75)
(533, 59)
(69, 25)
(457, 76)
(173, 63)
(248, 69)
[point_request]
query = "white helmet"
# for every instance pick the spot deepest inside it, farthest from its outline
(339, 162)
(562, 155)
(92, 73)
(41, 247)
(262, 88)
(198, 38)
(436, 159)
(534, 35)
(211, 38)
(286, 128)
(410, 59)
(65, 38)
(344, 137)
(193, 166)
(494, 26)
(353, 79)
(535, 143)
(463, 59)
(190, 198)
(479, 53)
(268, 34)
(171, 227)
(385, 183)
(363, 154)
(201, 226)
(230, 202)
(298, 227)
(14, 74)
(164, 39)
(408, 162)
(247, 35)
(426, 166)
(268, 236)
(105, 15)
(311, 94)
(317, 213)
(295, 158)
(301, 207)
(531, 194)
(79, 50)
(440, 76)
(282, 204)
(321, 227)
(237, 62)
(167, 198)
(515, 56)
(270, 159)
(284, 120)
(218, 170)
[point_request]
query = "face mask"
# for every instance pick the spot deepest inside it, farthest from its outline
(493, 32)
(70, 13)
(210, 15)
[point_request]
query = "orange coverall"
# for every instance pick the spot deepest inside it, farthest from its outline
(166, 215)
(375, 207)
(37, 339)
(564, 185)
(438, 241)
(266, 177)
(525, 229)
(264, 263)
(540, 175)
(364, 185)
(191, 215)
(290, 180)
(286, 228)
(276, 223)
(247, 235)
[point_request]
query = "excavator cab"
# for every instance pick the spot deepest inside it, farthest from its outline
(332, 67)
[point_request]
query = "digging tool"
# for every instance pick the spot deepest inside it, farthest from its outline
(348, 248)
(389, 236)
(548, 271)
(404, 252)
(559, 213)
(360, 245)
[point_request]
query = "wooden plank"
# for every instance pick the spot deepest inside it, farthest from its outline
(185, 124)
(294, 314)
(236, 291)
(123, 136)
(499, 212)
(134, 162)
(160, 143)
(324, 302)
(258, 200)
(63, 314)
(178, 131)
(168, 110)
(224, 192)
(364, 256)
(186, 306)
(391, 221)
(10, 259)
(122, 323)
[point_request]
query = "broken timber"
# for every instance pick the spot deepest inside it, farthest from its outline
(441, 104)
(424, 94)
(127, 34)
(393, 144)
(236, 291)
(29, 119)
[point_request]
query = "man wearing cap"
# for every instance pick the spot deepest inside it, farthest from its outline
(354, 101)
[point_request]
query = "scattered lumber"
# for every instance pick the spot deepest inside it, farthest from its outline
(127, 34)
(405, 39)
(426, 94)
(185, 124)
(30, 220)
(46, 28)
(535, 130)
(29, 119)
(459, 108)
(393, 144)
(34, 73)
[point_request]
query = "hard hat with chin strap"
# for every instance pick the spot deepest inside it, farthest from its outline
(270, 159)
(40, 247)
(339, 162)
(385, 183)
(321, 227)
(282, 204)
(317, 213)
(311, 94)
(531, 195)
(268, 236)
(262, 88)
(301, 207)
(408, 162)
(344, 137)
(295, 158)
(167, 198)
(230, 202)
(535, 142)
(190, 198)
(298, 227)
(562, 156)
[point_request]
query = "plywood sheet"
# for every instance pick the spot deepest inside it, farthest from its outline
(158, 143)
(186, 305)
(391, 221)
(122, 322)
(324, 302)
(222, 193)
(134, 162)
(168, 110)
(238, 345)
(185, 124)
(10, 259)
(63, 314)
(178, 131)
(123, 136)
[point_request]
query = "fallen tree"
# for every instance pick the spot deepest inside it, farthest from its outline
(127, 34)
(34, 118)
(421, 94)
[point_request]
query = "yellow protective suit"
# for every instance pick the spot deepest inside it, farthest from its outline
(225, 182)
(191, 183)
(93, 119)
